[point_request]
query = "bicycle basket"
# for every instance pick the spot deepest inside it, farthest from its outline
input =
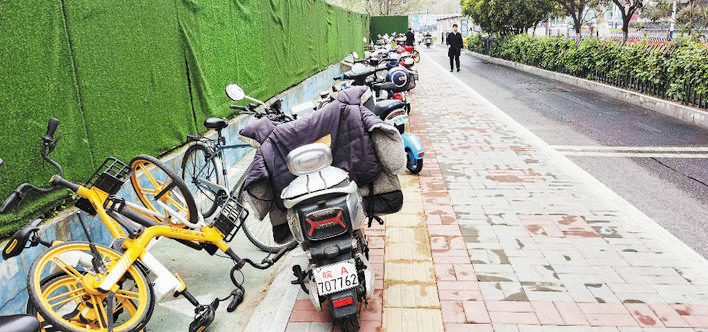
(109, 177)
(232, 214)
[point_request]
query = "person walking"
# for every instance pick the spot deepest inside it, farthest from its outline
(410, 37)
(454, 45)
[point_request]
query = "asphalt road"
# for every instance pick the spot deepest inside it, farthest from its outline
(655, 162)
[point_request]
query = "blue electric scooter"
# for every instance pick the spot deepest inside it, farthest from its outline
(394, 111)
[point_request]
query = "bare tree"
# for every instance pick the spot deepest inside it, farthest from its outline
(393, 7)
(576, 9)
(627, 8)
(351, 5)
(692, 16)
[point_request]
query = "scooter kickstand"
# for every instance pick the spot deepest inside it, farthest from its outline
(300, 276)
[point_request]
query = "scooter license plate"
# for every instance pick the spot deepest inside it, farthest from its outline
(336, 277)
(400, 120)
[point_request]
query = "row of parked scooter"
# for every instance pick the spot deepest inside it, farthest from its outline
(390, 74)
(331, 190)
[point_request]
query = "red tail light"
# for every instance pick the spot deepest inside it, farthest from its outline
(421, 154)
(317, 223)
(398, 96)
(342, 302)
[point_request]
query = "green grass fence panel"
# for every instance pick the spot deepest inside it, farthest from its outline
(381, 25)
(37, 83)
(253, 72)
(219, 41)
(131, 75)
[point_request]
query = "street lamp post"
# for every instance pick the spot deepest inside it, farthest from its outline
(673, 21)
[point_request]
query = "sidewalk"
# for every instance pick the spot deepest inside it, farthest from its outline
(500, 232)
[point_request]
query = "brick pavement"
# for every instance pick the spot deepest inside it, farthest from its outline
(518, 238)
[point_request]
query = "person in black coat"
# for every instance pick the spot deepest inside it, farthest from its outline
(410, 37)
(454, 45)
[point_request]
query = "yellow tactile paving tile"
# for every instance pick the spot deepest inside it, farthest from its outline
(410, 299)
(411, 295)
(410, 271)
(412, 320)
(405, 220)
(405, 252)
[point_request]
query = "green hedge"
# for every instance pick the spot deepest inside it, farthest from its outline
(677, 71)
(136, 76)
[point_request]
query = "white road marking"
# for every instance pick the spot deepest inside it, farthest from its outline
(636, 155)
(631, 148)
(685, 152)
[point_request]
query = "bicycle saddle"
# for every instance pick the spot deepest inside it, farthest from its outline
(215, 123)
(18, 241)
(384, 107)
(19, 323)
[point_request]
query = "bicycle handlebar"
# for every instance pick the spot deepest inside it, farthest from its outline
(268, 262)
(51, 128)
(57, 180)
(48, 144)
(11, 200)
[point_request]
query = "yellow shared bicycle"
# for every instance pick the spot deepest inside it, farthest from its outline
(83, 286)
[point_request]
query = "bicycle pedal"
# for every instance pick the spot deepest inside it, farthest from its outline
(204, 316)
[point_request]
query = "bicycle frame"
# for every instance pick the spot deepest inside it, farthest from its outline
(136, 248)
(219, 153)
(166, 213)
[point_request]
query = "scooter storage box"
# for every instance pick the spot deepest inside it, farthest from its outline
(384, 203)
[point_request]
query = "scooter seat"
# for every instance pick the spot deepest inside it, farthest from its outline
(384, 107)
(390, 87)
(19, 323)
(215, 123)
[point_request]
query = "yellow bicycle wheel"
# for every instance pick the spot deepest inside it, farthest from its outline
(68, 300)
(160, 190)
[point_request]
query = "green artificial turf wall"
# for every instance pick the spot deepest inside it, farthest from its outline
(136, 76)
(381, 25)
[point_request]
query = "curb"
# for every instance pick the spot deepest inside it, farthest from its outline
(675, 110)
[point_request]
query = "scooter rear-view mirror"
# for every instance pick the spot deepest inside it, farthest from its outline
(234, 92)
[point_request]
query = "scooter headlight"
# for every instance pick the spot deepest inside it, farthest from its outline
(309, 158)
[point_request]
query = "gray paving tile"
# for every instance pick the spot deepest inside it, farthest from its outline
(502, 291)
(579, 292)
(309, 327)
